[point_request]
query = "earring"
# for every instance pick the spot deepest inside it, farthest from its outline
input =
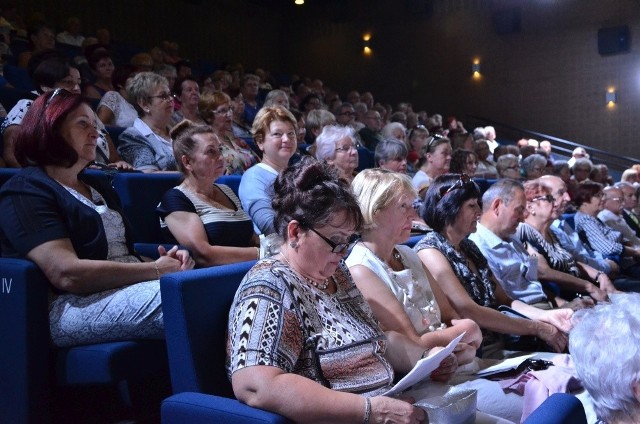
(293, 244)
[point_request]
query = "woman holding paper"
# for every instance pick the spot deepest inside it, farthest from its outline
(402, 294)
(300, 329)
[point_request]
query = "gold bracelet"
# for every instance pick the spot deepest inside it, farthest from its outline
(157, 270)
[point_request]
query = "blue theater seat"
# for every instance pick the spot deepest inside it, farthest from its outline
(365, 158)
(140, 194)
(196, 308)
(559, 408)
(35, 378)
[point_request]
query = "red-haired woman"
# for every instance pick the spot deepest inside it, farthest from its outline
(70, 225)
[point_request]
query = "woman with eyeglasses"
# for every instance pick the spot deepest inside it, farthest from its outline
(275, 133)
(70, 224)
(452, 209)
(435, 161)
(508, 167)
(590, 201)
(147, 145)
(199, 214)
(556, 264)
(337, 146)
(51, 72)
(299, 329)
(217, 111)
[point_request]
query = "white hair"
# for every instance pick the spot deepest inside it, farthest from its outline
(605, 346)
(330, 135)
(387, 130)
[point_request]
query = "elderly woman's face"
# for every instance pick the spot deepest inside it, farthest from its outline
(398, 164)
(467, 220)
(399, 134)
(346, 156)
(316, 253)
(159, 105)
(222, 117)
(80, 132)
(440, 158)
(190, 93)
(594, 205)
(282, 100)
(394, 221)
(206, 162)
(511, 171)
(279, 144)
(542, 207)
(536, 171)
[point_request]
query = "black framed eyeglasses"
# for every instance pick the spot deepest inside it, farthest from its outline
(339, 247)
(548, 198)
(463, 181)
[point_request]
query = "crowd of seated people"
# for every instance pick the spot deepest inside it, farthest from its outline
(510, 245)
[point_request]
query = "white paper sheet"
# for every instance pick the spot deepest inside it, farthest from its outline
(505, 365)
(423, 368)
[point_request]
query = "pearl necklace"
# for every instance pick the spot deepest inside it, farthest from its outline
(320, 286)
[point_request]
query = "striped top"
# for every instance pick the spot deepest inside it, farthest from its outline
(224, 227)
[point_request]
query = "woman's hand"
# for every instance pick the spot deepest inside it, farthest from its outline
(446, 369)
(472, 331)
(554, 337)
(389, 410)
(125, 166)
(595, 293)
(173, 260)
(559, 318)
(606, 284)
(464, 352)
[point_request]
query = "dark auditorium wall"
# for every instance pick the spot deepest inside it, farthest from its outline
(546, 75)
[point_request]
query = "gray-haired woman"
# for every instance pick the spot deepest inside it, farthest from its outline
(391, 154)
(337, 146)
(147, 144)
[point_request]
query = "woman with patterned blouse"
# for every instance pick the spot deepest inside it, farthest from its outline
(299, 329)
(554, 262)
(452, 210)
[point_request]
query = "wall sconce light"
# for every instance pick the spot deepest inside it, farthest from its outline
(366, 44)
(610, 97)
(475, 69)
(299, 2)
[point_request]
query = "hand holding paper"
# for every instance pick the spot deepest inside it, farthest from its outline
(424, 368)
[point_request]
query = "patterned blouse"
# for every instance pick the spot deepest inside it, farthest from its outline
(279, 320)
(557, 257)
(238, 157)
(480, 287)
(600, 236)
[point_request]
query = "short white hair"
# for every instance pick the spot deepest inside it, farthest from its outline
(330, 135)
(387, 130)
(605, 347)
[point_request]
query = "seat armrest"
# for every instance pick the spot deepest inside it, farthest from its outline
(199, 408)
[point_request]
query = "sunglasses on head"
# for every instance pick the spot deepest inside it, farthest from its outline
(432, 141)
(462, 182)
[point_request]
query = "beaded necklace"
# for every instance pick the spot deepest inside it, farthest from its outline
(320, 286)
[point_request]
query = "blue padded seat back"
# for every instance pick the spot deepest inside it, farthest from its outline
(570, 218)
(24, 326)
(365, 158)
(18, 77)
(233, 181)
(114, 133)
(6, 173)
(140, 194)
(9, 96)
(559, 408)
(196, 307)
